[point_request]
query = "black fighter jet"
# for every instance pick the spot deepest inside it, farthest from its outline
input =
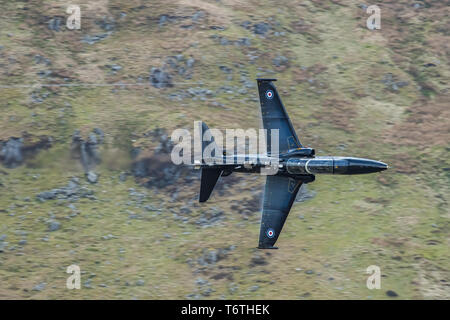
(295, 165)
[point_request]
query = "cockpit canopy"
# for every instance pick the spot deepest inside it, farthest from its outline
(300, 152)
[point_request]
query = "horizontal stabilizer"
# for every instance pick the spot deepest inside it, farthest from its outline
(209, 180)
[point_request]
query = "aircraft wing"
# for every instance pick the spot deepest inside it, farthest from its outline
(274, 116)
(279, 195)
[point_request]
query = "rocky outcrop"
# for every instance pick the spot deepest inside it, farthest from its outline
(15, 150)
(72, 192)
(156, 169)
(11, 152)
(160, 78)
(179, 65)
(87, 150)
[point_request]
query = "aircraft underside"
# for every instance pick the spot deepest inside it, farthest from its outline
(285, 173)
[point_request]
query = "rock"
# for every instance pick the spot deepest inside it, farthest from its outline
(162, 20)
(139, 169)
(100, 134)
(233, 287)
(96, 38)
(225, 69)
(211, 257)
(261, 28)
(123, 176)
(258, 260)
(92, 177)
(172, 62)
(246, 24)
(54, 24)
(254, 288)
(210, 217)
(279, 61)
(22, 242)
(72, 192)
(401, 84)
(197, 16)
(3, 244)
(87, 150)
(38, 59)
(160, 79)
(107, 23)
(11, 152)
(391, 84)
(140, 282)
(206, 292)
(200, 93)
(391, 293)
(309, 271)
(39, 95)
(173, 65)
(115, 67)
(158, 167)
(44, 73)
(53, 225)
(88, 283)
(47, 195)
(190, 62)
(201, 282)
(243, 42)
(108, 237)
(39, 287)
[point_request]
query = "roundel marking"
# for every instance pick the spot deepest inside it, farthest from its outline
(269, 94)
(270, 233)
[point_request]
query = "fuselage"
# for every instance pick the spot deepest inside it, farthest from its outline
(294, 166)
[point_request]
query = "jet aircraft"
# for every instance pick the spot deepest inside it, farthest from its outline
(296, 165)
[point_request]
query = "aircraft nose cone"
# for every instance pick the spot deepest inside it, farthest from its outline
(358, 166)
(382, 166)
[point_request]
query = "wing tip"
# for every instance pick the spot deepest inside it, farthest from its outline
(266, 247)
(265, 79)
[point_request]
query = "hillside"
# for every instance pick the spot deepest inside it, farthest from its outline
(137, 70)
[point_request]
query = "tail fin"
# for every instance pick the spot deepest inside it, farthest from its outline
(274, 116)
(209, 180)
(210, 176)
(207, 141)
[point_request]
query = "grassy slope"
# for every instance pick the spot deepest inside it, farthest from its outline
(397, 220)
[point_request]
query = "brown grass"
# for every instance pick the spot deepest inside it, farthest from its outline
(338, 113)
(427, 124)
